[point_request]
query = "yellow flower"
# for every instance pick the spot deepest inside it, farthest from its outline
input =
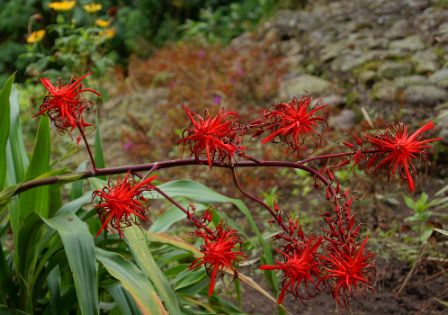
(93, 7)
(62, 6)
(35, 37)
(108, 33)
(102, 23)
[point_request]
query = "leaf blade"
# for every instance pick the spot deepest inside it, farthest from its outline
(133, 280)
(80, 250)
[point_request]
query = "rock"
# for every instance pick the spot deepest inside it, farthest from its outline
(290, 47)
(391, 69)
(440, 78)
(443, 28)
(331, 51)
(385, 90)
(367, 76)
(442, 123)
(293, 61)
(350, 61)
(424, 94)
(398, 30)
(410, 43)
(403, 82)
(304, 84)
(331, 100)
(425, 61)
(344, 121)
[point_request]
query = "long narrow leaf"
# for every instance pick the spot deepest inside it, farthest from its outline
(19, 157)
(124, 301)
(36, 199)
(139, 247)
(133, 280)
(80, 250)
(99, 154)
(4, 127)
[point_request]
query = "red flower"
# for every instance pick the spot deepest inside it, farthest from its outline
(397, 150)
(64, 104)
(122, 203)
(215, 137)
(301, 270)
(292, 122)
(218, 252)
(350, 268)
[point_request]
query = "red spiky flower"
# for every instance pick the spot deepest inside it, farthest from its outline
(64, 104)
(301, 268)
(216, 137)
(218, 252)
(398, 150)
(350, 269)
(292, 122)
(122, 203)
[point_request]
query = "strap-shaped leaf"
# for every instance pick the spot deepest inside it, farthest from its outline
(4, 127)
(134, 280)
(80, 250)
(124, 301)
(139, 248)
(36, 199)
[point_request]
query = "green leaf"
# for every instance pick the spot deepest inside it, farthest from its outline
(19, 157)
(139, 248)
(4, 310)
(133, 280)
(75, 205)
(80, 250)
(77, 187)
(4, 127)
(36, 199)
(409, 202)
(99, 154)
(124, 301)
(171, 216)
(421, 204)
(6, 195)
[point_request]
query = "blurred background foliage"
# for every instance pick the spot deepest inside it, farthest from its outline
(140, 27)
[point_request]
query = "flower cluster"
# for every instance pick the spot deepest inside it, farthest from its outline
(65, 105)
(300, 265)
(218, 252)
(122, 203)
(397, 150)
(215, 137)
(335, 261)
(294, 122)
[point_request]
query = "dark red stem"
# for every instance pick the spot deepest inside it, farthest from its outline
(92, 160)
(259, 201)
(190, 216)
(179, 163)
